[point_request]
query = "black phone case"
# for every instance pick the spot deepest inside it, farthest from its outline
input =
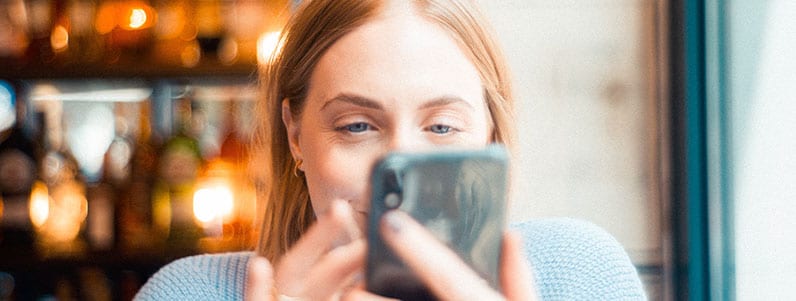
(458, 195)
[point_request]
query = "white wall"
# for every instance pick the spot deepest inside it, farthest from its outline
(764, 145)
(584, 79)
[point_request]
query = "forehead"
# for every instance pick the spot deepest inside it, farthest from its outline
(396, 52)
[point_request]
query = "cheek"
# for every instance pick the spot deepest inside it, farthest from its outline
(334, 173)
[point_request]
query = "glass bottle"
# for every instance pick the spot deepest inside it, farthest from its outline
(61, 224)
(99, 232)
(104, 196)
(40, 23)
(13, 32)
(180, 162)
(18, 173)
(209, 25)
(135, 203)
(235, 152)
(86, 45)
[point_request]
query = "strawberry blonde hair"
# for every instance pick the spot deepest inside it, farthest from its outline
(315, 26)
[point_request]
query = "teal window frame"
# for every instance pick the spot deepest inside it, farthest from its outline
(702, 212)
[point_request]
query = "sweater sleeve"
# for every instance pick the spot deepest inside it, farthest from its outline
(575, 260)
(201, 277)
(571, 260)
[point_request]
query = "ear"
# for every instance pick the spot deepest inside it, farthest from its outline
(293, 129)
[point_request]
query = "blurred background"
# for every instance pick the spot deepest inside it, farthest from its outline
(124, 126)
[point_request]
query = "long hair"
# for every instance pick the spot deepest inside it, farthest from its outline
(315, 26)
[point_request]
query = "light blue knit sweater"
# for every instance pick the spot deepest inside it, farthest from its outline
(571, 260)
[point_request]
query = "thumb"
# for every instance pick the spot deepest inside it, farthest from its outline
(259, 280)
(516, 278)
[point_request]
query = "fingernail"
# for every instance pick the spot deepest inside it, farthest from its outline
(359, 276)
(393, 221)
(261, 264)
(342, 240)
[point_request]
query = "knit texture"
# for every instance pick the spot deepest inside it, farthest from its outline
(575, 260)
(571, 260)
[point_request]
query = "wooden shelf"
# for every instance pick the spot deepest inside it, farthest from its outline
(130, 69)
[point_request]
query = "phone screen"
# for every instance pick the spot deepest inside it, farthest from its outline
(459, 196)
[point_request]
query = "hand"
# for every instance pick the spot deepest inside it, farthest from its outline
(448, 277)
(259, 280)
(322, 265)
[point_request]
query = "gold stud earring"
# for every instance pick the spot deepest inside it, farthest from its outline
(297, 167)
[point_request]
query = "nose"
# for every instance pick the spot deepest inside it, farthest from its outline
(404, 139)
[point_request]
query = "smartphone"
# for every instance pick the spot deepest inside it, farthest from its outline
(460, 196)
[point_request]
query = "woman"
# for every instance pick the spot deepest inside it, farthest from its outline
(354, 80)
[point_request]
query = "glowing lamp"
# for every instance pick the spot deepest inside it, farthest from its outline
(268, 46)
(213, 203)
(39, 204)
(59, 39)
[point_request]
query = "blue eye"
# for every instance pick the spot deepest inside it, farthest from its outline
(440, 129)
(357, 127)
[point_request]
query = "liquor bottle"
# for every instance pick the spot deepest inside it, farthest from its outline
(18, 156)
(235, 153)
(59, 231)
(175, 34)
(179, 164)
(103, 194)
(233, 148)
(99, 231)
(13, 34)
(135, 202)
(40, 23)
(209, 25)
(84, 42)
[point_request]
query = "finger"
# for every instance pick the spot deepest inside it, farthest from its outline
(515, 275)
(336, 270)
(259, 280)
(435, 264)
(358, 292)
(333, 228)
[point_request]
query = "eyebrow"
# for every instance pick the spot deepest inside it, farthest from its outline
(362, 101)
(444, 101)
(354, 100)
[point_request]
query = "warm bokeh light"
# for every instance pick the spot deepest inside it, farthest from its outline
(228, 51)
(172, 21)
(138, 18)
(268, 45)
(59, 39)
(67, 212)
(129, 15)
(136, 15)
(191, 55)
(106, 18)
(189, 33)
(39, 204)
(213, 203)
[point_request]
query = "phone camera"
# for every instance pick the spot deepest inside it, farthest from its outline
(392, 200)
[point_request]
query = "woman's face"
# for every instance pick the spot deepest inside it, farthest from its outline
(396, 83)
